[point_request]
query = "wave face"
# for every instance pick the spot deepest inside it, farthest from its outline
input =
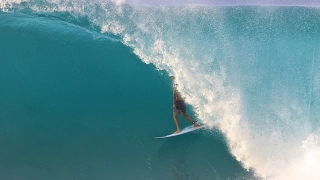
(251, 72)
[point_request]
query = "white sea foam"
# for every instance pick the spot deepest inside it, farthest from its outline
(7, 4)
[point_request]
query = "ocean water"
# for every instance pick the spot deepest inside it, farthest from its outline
(85, 87)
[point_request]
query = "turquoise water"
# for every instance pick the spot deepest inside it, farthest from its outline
(87, 108)
(85, 88)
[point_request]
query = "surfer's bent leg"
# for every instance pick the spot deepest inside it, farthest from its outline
(189, 119)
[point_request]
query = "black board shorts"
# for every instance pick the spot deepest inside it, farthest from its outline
(180, 106)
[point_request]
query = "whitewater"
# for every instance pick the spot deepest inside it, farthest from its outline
(251, 72)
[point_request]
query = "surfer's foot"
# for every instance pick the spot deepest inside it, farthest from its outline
(195, 124)
(177, 131)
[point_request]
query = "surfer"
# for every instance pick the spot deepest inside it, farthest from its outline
(179, 107)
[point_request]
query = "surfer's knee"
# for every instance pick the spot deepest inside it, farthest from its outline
(184, 115)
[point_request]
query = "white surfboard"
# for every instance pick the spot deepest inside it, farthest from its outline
(185, 130)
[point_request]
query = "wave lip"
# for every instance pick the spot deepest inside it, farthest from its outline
(307, 3)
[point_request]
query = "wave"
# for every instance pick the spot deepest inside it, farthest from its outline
(304, 3)
(223, 3)
(251, 72)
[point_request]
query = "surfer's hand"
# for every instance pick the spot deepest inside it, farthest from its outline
(174, 108)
